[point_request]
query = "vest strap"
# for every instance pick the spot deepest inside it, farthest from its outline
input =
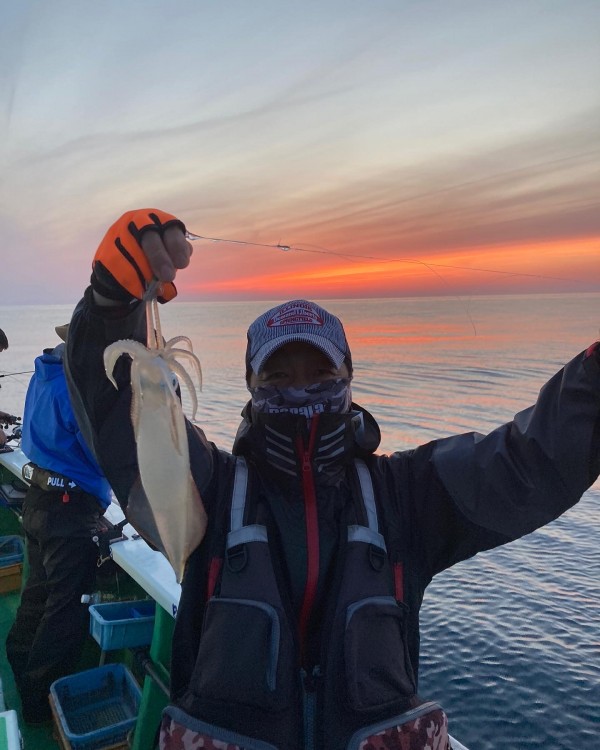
(363, 534)
(240, 534)
(368, 494)
(253, 533)
(238, 498)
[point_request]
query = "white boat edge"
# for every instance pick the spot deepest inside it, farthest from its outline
(456, 745)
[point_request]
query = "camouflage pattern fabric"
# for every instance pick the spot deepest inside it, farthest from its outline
(174, 736)
(328, 397)
(429, 732)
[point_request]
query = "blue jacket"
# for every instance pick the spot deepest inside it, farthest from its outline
(51, 437)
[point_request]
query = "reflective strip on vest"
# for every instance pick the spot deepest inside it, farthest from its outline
(241, 534)
(238, 499)
(370, 533)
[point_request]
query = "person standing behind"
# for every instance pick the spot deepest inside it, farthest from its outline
(67, 495)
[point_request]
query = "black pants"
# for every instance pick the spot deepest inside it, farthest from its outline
(51, 625)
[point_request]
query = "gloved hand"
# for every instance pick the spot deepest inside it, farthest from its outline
(142, 246)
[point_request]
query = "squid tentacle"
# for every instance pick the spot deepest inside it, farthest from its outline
(114, 351)
(179, 370)
(179, 339)
(190, 357)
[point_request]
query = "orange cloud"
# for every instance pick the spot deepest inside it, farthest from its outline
(560, 265)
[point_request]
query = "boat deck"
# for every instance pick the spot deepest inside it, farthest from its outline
(36, 738)
(116, 583)
(44, 737)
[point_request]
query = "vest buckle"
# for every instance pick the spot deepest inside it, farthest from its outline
(377, 557)
(236, 558)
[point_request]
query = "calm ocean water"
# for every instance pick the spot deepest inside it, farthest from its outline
(511, 638)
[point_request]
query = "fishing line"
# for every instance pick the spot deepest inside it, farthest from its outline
(23, 372)
(354, 257)
(191, 236)
(429, 264)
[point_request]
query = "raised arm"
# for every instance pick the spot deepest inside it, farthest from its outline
(139, 256)
(473, 492)
(531, 470)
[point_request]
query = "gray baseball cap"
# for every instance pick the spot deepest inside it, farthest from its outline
(297, 320)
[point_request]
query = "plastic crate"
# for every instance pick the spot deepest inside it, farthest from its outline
(96, 709)
(12, 550)
(122, 624)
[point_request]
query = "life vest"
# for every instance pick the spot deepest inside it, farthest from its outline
(250, 689)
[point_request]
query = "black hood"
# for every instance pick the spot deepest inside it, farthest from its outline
(271, 438)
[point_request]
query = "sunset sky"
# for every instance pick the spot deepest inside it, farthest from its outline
(398, 147)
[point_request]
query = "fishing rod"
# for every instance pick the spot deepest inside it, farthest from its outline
(23, 372)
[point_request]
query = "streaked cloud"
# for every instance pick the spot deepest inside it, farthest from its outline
(453, 133)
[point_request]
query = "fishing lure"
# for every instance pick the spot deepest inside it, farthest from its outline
(174, 509)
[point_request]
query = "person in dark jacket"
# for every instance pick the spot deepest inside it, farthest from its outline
(298, 623)
(67, 495)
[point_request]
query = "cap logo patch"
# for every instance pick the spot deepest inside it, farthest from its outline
(291, 315)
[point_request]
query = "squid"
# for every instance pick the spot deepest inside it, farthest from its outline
(169, 512)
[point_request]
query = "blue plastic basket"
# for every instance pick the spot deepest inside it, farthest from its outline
(96, 708)
(122, 624)
(12, 550)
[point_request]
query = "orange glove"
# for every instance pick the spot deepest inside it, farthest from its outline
(120, 269)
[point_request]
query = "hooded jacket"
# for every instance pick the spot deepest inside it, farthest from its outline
(439, 504)
(51, 437)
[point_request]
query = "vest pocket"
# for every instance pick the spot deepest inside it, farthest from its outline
(378, 668)
(243, 657)
(424, 727)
